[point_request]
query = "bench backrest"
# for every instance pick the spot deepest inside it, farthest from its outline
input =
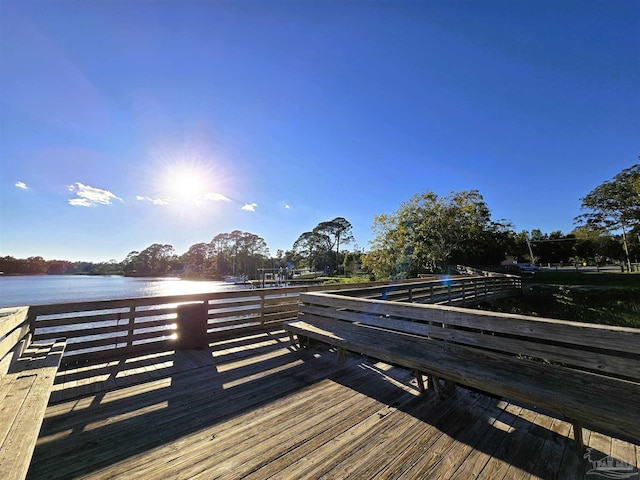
(607, 350)
(15, 336)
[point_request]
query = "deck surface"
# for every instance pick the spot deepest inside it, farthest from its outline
(255, 408)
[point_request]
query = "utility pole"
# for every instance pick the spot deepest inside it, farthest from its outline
(530, 250)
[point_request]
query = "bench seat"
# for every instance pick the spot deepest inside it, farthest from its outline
(24, 394)
(560, 367)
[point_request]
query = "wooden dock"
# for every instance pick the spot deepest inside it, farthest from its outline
(252, 407)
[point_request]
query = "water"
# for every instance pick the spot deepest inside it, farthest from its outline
(42, 289)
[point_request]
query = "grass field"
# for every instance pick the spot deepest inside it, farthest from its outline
(607, 279)
(605, 298)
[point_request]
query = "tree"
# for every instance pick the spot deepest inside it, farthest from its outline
(332, 233)
(156, 259)
(390, 252)
(129, 263)
(198, 260)
(614, 206)
(351, 261)
(425, 231)
(594, 245)
(307, 243)
(221, 245)
(238, 252)
(319, 243)
(488, 247)
(251, 250)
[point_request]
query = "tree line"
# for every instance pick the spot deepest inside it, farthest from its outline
(227, 254)
(429, 231)
(424, 235)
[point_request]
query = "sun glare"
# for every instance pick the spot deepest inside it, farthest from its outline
(183, 182)
(186, 184)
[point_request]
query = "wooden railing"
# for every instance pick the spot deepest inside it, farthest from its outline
(459, 291)
(124, 328)
(15, 336)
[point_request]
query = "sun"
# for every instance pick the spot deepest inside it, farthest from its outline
(182, 181)
(185, 183)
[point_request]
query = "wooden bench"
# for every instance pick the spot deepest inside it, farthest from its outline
(584, 373)
(27, 373)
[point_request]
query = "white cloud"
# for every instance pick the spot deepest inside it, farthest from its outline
(216, 197)
(197, 199)
(21, 185)
(87, 196)
(155, 201)
(286, 205)
(250, 207)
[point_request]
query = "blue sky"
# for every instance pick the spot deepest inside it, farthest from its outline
(128, 123)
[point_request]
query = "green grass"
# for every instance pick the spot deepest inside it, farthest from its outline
(607, 298)
(603, 304)
(352, 279)
(607, 279)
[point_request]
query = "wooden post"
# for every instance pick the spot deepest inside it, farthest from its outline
(31, 316)
(577, 435)
(192, 326)
(419, 380)
(435, 381)
(131, 323)
(444, 390)
(342, 355)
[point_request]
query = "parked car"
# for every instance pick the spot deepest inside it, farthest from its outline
(526, 268)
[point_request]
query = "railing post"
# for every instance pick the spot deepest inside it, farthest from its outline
(131, 326)
(192, 326)
(262, 306)
(32, 315)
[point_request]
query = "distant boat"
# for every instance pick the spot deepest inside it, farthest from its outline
(236, 280)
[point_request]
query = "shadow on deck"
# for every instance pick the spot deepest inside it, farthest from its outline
(254, 408)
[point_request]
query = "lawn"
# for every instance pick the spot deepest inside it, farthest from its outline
(605, 298)
(606, 279)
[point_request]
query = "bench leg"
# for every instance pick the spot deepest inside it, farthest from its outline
(419, 380)
(342, 355)
(292, 340)
(444, 390)
(577, 436)
(435, 382)
(449, 387)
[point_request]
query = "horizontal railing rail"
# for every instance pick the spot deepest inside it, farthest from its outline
(124, 328)
(15, 335)
(458, 291)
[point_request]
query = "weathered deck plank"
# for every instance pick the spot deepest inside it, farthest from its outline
(253, 408)
(446, 451)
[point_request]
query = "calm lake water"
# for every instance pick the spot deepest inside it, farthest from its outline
(40, 289)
